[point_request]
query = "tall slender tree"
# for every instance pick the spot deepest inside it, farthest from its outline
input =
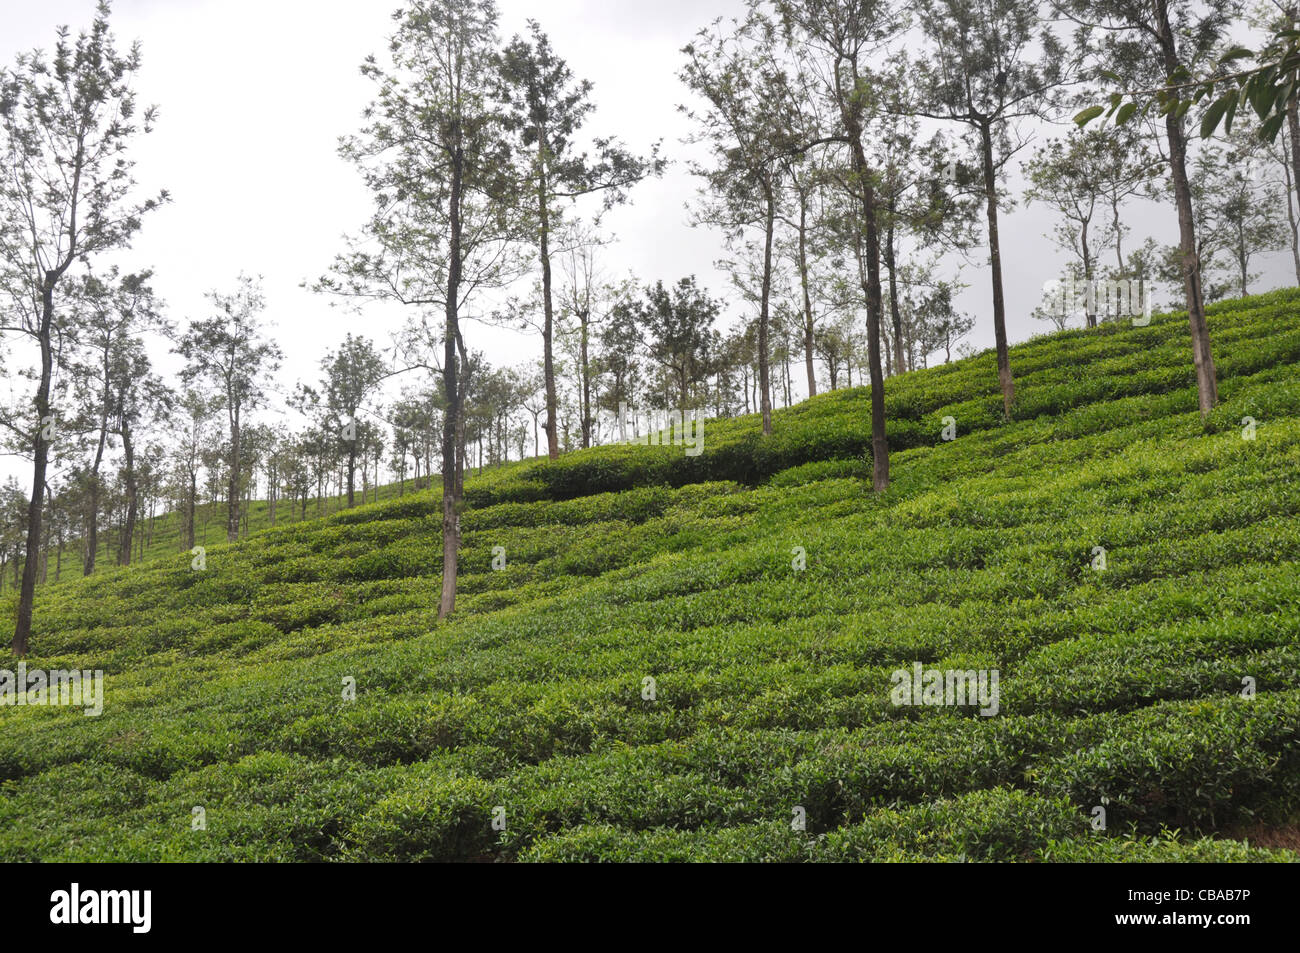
(546, 108)
(435, 153)
(111, 312)
(67, 122)
(140, 399)
(231, 353)
(1153, 43)
(749, 124)
(1085, 178)
(991, 64)
(352, 372)
(838, 37)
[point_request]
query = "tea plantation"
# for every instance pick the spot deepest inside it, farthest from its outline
(690, 658)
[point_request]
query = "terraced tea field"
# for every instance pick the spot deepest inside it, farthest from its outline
(693, 657)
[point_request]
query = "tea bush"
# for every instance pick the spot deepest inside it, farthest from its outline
(658, 656)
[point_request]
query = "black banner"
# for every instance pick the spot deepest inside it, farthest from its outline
(143, 904)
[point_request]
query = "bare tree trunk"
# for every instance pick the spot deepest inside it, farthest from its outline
(40, 461)
(132, 505)
(190, 511)
(894, 313)
(451, 429)
(1090, 314)
(92, 486)
(765, 384)
(232, 502)
(352, 470)
(548, 311)
(995, 261)
(92, 524)
(879, 443)
(1289, 140)
(807, 299)
(1119, 235)
(1293, 175)
(272, 482)
(1243, 262)
(1207, 387)
(49, 526)
(584, 317)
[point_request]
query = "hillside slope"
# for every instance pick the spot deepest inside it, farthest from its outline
(771, 695)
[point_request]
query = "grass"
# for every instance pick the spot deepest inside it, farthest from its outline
(1120, 688)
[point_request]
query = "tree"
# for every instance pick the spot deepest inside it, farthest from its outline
(1224, 85)
(230, 353)
(110, 313)
(1081, 178)
(192, 436)
(585, 296)
(838, 36)
(835, 344)
(351, 374)
(807, 179)
(1279, 156)
(677, 322)
(139, 397)
(435, 154)
(546, 109)
(618, 356)
(1149, 42)
(939, 322)
(748, 127)
(982, 72)
(1239, 213)
(66, 123)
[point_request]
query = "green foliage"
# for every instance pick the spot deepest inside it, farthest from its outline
(226, 688)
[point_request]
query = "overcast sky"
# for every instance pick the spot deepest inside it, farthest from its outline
(253, 95)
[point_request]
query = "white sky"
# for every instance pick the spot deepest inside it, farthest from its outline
(253, 95)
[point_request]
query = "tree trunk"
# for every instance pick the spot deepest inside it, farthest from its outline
(764, 374)
(1090, 314)
(272, 482)
(1207, 388)
(132, 506)
(879, 443)
(1243, 262)
(92, 524)
(49, 526)
(548, 311)
(895, 314)
(451, 428)
(995, 261)
(92, 487)
(807, 298)
(352, 471)
(1293, 174)
(584, 317)
(1115, 206)
(40, 460)
(1288, 171)
(190, 511)
(232, 502)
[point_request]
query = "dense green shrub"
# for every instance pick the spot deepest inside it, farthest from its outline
(679, 651)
